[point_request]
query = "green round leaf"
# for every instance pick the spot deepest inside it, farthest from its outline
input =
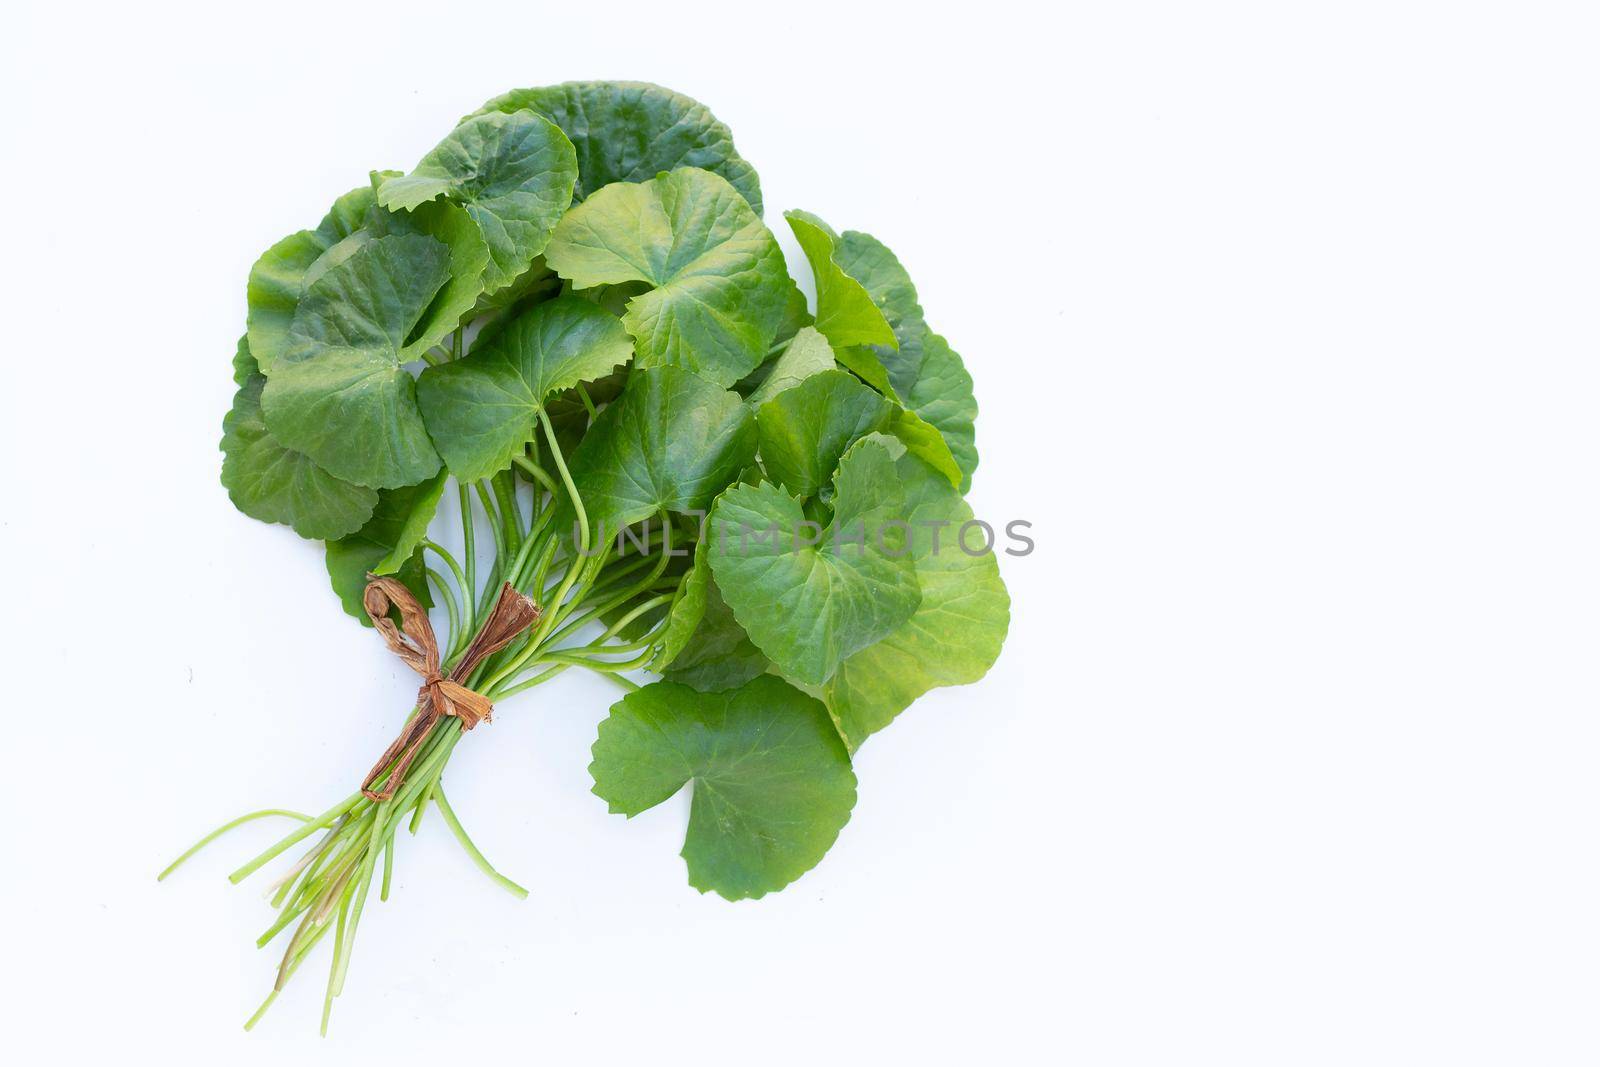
(954, 636)
(685, 612)
(923, 440)
(807, 354)
(719, 654)
(401, 515)
(867, 260)
(272, 483)
(846, 312)
(671, 442)
(340, 392)
(772, 782)
(719, 287)
(804, 430)
(810, 597)
(943, 398)
(278, 278)
(481, 410)
(445, 221)
(411, 512)
(244, 364)
(513, 173)
(632, 131)
(924, 372)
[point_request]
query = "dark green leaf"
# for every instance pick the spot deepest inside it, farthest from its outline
(445, 221)
(351, 558)
(943, 398)
(671, 442)
(513, 173)
(340, 392)
(632, 131)
(481, 411)
(278, 277)
(772, 782)
(869, 261)
(804, 430)
(719, 654)
(272, 483)
(412, 515)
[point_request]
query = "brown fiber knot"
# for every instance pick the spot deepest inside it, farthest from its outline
(414, 642)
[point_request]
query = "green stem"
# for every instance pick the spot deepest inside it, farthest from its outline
(449, 816)
(469, 549)
(588, 405)
(325, 819)
(505, 492)
(449, 597)
(224, 828)
(538, 474)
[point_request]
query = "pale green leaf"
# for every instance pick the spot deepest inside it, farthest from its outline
(955, 634)
(924, 440)
(846, 313)
(808, 354)
(718, 284)
(772, 782)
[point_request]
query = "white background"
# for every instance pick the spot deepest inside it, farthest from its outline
(1283, 322)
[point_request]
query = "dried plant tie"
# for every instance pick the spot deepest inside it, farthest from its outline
(440, 695)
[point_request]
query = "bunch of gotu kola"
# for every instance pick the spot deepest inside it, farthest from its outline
(571, 316)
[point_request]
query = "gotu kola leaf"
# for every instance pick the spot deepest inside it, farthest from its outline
(445, 221)
(481, 410)
(389, 540)
(719, 289)
(272, 483)
(277, 279)
(340, 391)
(867, 260)
(807, 354)
(846, 313)
(943, 398)
(686, 610)
(719, 654)
(632, 131)
(923, 371)
(772, 781)
(810, 597)
(805, 430)
(671, 442)
(955, 634)
(514, 175)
